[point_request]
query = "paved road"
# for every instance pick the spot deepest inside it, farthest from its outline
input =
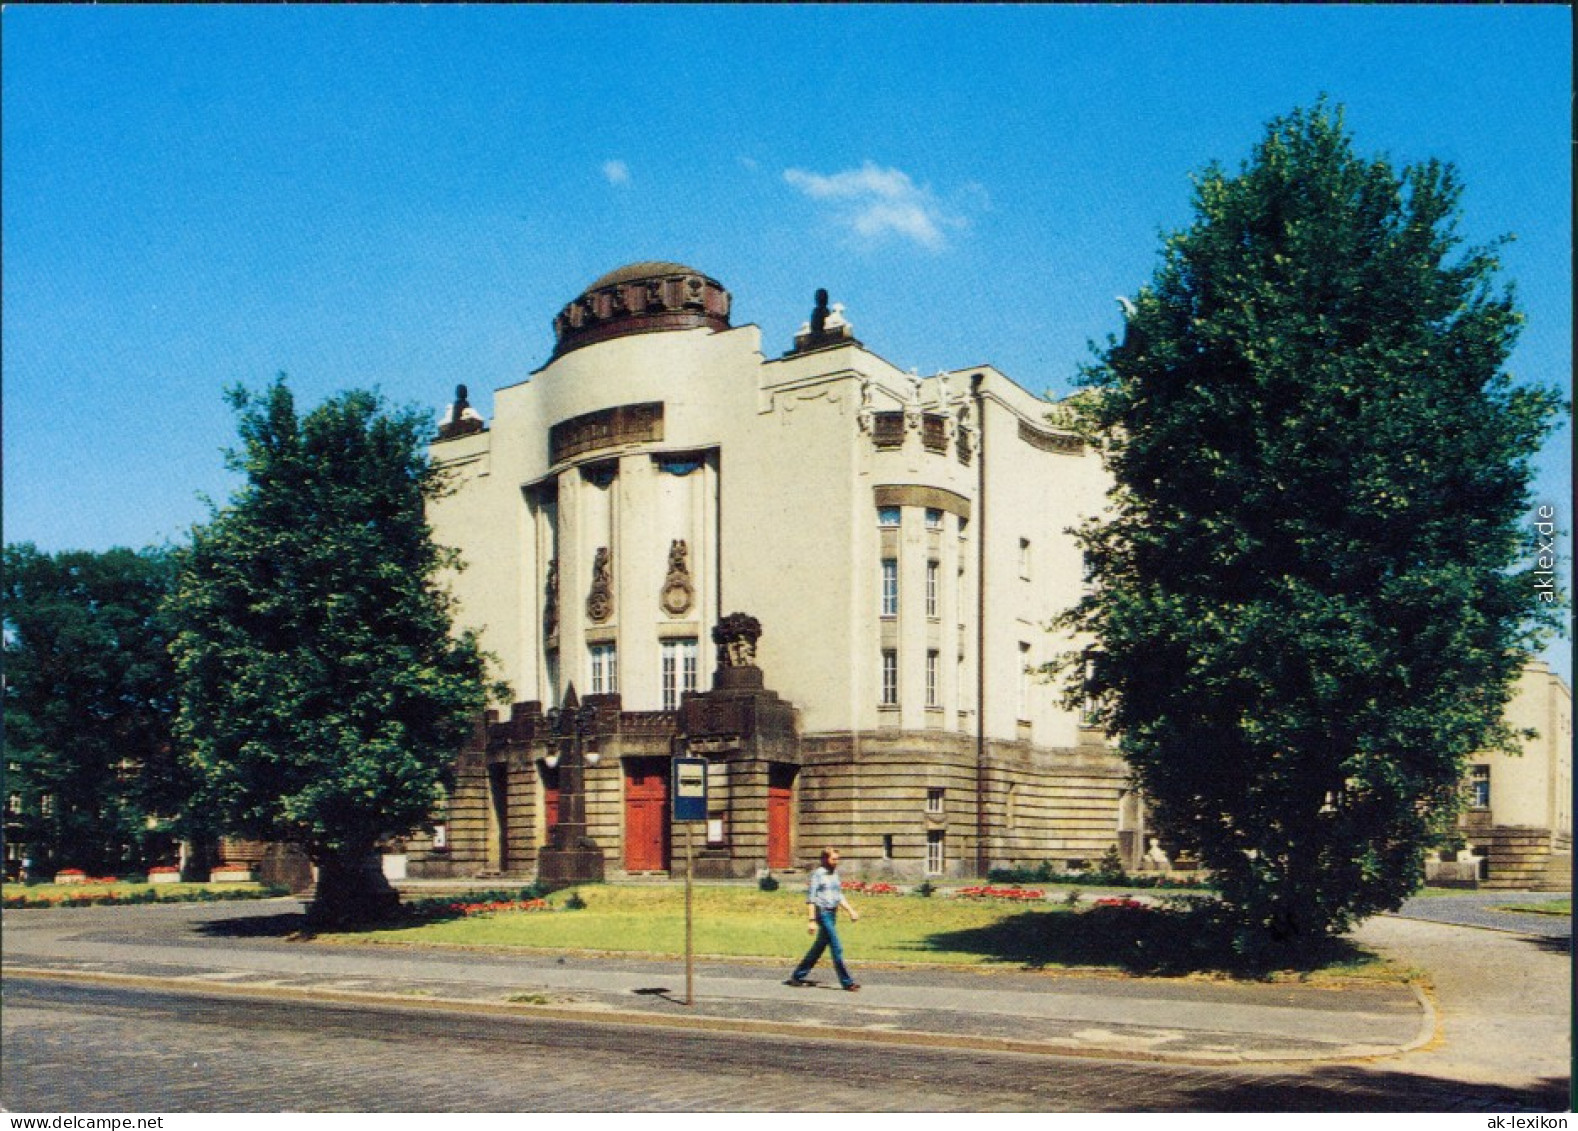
(199, 996)
(94, 1049)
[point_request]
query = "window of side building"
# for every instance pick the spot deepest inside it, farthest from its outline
(933, 518)
(935, 858)
(933, 570)
(890, 678)
(1479, 788)
(890, 587)
(887, 516)
(931, 679)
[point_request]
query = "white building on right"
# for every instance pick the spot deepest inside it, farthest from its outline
(1520, 806)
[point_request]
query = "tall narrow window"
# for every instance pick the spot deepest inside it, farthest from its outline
(679, 670)
(605, 669)
(1024, 558)
(890, 587)
(935, 858)
(931, 679)
(932, 571)
(1479, 788)
(933, 518)
(1024, 681)
(890, 678)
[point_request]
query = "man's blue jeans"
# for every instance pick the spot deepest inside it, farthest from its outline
(826, 938)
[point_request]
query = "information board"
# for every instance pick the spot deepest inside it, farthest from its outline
(690, 789)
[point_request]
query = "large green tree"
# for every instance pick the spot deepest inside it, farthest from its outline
(1310, 597)
(91, 780)
(322, 691)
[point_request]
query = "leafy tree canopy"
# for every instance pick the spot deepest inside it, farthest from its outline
(91, 779)
(1310, 591)
(322, 691)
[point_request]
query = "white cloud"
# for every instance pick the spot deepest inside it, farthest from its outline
(874, 202)
(617, 172)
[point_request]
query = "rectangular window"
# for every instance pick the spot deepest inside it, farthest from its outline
(605, 669)
(931, 679)
(887, 516)
(890, 678)
(933, 518)
(959, 604)
(890, 587)
(934, 800)
(932, 571)
(1479, 788)
(1024, 558)
(934, 852)
(887, 846)
(679, 670)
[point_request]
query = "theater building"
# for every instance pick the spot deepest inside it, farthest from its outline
(828, 577)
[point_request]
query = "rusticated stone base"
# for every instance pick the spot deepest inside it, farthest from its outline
(570, 865)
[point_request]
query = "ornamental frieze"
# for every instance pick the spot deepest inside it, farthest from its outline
(605, 428)
(1051, 441)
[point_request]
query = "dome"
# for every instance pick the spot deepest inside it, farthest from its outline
(641, 298)
(646, 269)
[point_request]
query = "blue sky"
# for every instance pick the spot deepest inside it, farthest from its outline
(404, 196)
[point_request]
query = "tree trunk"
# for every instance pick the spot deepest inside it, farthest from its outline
(352, 890)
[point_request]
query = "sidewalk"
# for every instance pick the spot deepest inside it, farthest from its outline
(236, 948)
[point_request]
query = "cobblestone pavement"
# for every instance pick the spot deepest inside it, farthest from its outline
(95, 1049)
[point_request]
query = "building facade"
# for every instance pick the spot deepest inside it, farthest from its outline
(894, 545)
(1519, 822)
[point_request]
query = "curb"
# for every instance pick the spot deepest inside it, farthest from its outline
(705, 1023)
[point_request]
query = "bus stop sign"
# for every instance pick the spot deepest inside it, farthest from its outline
(690, 789)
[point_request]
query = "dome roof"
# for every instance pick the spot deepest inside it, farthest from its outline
(642, 298)
(646, 269)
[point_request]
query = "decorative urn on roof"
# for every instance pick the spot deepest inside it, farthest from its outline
(641, 298)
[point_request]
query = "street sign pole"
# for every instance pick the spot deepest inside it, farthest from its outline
(690, 967)
(690, 806)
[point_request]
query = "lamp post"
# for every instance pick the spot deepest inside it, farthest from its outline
(571, 855)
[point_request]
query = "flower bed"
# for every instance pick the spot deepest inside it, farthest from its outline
(71, 876)
(1021, 895)
(1123, 902)
(193, 894)
(860, 887)
(500, 905)
(231, 875)
(164, 874)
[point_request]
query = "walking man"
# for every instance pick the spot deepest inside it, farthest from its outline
(824, 896)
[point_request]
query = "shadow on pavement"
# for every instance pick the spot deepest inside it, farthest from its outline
(1140, 940)
(255, 927)
(1552, 944)
(1358, 1089)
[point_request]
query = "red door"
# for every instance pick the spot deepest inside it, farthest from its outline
(550, 798)
(646, 815)
(780, 817)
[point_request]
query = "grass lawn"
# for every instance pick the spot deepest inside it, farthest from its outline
(733, 921)
(1549, 907)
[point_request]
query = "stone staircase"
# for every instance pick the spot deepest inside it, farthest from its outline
(1526, 859)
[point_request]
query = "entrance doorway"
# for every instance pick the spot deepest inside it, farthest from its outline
(780, 815)
(498, 847)
(550, 799)
(646, 815)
